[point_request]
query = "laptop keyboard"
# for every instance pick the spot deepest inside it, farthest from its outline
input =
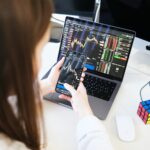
(98, 87)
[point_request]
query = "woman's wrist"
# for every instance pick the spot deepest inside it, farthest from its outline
(85, 112)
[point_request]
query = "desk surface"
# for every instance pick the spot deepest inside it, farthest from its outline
(61, 121)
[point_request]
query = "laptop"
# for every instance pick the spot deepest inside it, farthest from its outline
(107, 49)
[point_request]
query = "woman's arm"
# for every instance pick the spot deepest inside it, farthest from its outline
(91, 134)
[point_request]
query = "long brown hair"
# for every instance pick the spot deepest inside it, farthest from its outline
(22, 25)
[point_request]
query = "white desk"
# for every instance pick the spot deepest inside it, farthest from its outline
(61, 121)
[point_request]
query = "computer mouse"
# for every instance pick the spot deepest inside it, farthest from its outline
(125, 128)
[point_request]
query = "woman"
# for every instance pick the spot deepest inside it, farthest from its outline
(24, 30)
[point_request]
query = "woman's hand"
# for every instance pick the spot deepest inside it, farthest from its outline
(79, 99)
(48, 85)
(54, 75)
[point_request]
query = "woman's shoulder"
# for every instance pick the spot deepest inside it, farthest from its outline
(7, 143)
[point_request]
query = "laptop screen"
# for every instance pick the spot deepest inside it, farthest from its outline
(107, 47)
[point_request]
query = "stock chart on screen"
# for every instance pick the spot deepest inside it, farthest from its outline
(106, 48)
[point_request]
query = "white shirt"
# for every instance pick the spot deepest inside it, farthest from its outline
(91, 135)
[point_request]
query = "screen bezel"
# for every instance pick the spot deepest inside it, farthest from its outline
(105, 25)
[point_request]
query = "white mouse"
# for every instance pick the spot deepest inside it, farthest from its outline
(125, 128)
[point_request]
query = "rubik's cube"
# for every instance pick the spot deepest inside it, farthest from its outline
(144, 111)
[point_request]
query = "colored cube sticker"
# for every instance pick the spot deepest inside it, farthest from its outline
(144, 111)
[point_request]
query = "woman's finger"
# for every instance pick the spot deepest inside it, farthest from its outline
(81, 87)
(83, 74)
(62, 96)
(84, 69)
(60, 63)
(81, 79)
(70, 89)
